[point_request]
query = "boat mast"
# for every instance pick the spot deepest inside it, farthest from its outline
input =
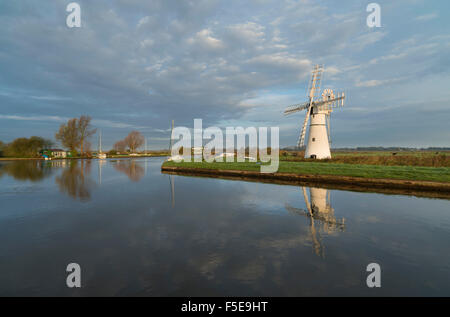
(170, 143)
(100, 142)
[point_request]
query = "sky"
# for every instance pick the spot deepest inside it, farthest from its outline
(138, 65)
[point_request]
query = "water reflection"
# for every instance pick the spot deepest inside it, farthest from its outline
(221, 238)
(101, 162)
(131, 168)
(75, 180)
(322, 220)
(32, 170)
(172, 189)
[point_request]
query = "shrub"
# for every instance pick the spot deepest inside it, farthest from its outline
(23, 147)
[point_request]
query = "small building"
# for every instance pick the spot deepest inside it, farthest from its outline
(197, 150)
(54, 153)
(226, 154)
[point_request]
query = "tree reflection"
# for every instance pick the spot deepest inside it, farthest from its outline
(131, 168)
(27, 170)
(75, 181)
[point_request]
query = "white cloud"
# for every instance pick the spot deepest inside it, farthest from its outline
(269, 100)
(376, 82)
(205, 39)
(50, 98)
(32, 118)
(96, 122)
(368, 39)
(427, 17)
(282, 60)
(331, 70)
(143, 21)
(388, 58)
(247, 32)
(147, 42)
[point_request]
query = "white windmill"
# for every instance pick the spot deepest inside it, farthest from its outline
(318, 145)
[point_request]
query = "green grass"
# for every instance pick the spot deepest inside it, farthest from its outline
(405, 158)
(389, 153)
(439, 174)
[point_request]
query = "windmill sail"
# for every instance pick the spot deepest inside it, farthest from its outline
(313, 94)
(297, 107)
(301, 137)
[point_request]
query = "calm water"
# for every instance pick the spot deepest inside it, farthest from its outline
(135, 231)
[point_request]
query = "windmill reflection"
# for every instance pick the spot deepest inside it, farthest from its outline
(75, 181)
(131, 168)
(321, 216)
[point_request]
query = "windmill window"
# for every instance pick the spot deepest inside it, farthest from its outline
(313, 139)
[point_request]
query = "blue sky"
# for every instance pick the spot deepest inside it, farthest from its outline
(136, 65)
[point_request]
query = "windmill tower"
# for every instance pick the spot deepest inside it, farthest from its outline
(319, 111)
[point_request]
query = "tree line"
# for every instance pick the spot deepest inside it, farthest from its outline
(73, 135)
(25, 147)
(131, 142)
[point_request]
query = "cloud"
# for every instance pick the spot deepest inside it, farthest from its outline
(249, 32)
(388, 58)
(368, 39)
(143, 21)
(32, 118)
(95, 122)
(205, 40)
(140, 64)
(293, 68)
(376, 82)
(426, 17)
(269, 100)
(58, 98)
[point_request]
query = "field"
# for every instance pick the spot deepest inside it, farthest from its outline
(401, 158)
(421, 167)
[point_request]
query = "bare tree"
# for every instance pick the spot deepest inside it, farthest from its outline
(120, 146)
(68, 134)
(85, 131)
(134, 140)
(75, 133)
(88, 148)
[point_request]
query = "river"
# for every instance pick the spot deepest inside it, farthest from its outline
(136, 231)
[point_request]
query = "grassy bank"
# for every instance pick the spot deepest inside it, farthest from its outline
(409, 173)
(401, 158)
